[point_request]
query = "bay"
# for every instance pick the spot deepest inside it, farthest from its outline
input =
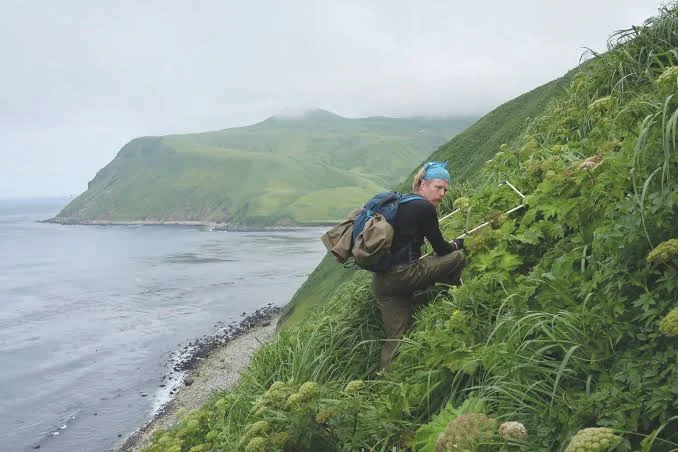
(90, 314)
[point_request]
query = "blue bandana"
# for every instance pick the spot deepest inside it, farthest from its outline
(436, 170)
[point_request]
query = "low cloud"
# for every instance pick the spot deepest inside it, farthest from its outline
(82, 78)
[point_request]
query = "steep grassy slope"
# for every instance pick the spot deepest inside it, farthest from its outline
(567, 318)
(466, 153)
(280, 171)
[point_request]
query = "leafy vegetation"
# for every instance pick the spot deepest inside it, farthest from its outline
(563, 324)
(281, 171)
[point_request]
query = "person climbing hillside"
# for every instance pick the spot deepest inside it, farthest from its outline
(415, 220)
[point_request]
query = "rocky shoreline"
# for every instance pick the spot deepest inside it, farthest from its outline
(205, 365)
(213, 226)
(76, 221)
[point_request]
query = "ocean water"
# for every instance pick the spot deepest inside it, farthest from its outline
(89, 315)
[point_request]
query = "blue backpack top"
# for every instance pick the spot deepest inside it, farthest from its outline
(372, 235)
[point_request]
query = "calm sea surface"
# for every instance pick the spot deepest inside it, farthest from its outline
(90, 314)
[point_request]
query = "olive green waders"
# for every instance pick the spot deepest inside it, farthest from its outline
(395, 293)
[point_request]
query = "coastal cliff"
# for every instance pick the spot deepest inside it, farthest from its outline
(279, 172)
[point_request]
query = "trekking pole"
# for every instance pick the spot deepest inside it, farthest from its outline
(515, 209)
(448, 215)
(477, 228)
(501, 182)
(504, 181)
(487, 223)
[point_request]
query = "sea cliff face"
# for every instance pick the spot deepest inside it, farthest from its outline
(280, 172)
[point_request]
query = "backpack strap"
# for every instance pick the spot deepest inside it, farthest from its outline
(390, 197)
(407, 198)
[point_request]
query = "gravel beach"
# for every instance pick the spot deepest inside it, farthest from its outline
(220, 369)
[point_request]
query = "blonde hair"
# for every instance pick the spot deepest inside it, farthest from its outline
(418, 178)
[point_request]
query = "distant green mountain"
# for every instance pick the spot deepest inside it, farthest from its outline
(282, 171)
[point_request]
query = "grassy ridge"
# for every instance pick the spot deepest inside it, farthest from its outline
(466, 152)
(567, 318)
(280, 171)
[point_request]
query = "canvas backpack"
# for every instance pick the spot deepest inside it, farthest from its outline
(372, 234)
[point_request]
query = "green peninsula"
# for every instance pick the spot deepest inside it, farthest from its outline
(303, 170)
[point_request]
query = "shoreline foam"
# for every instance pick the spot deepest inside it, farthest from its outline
(214, 363)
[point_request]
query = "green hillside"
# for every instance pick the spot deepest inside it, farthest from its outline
(466, 153)
(566, 321)
(281, 171)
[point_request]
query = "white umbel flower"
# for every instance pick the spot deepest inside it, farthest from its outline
(512, 430)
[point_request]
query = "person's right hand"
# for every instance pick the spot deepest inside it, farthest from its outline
(459, 243)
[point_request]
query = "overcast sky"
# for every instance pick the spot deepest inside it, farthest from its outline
(79, 79)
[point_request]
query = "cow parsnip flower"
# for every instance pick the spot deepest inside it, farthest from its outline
(463, 431)
(593, 439)
(512, 430)
(668, 77)
(665, 253)
(277, 385)
(353, 387)
(669, 324)
(294, 399)
(308, 390)
(257, 428)
(256, 444)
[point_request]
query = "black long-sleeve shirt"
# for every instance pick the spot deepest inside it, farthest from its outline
(414, 221)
